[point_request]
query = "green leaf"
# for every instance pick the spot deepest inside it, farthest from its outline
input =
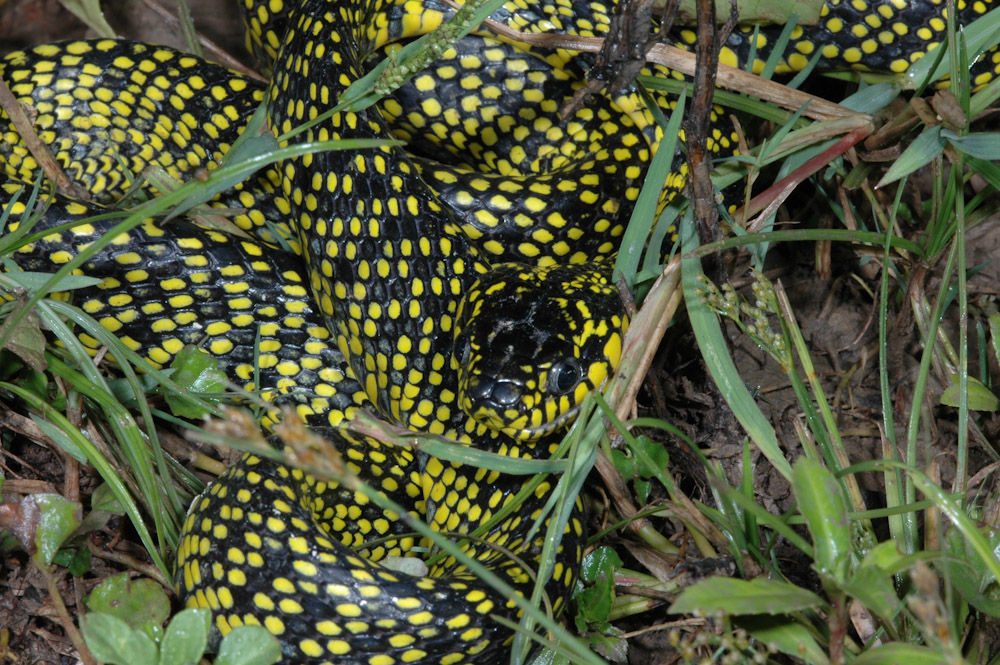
(136, 602)
(60, 438)
(89, 11)
(34, 281)
(26, 339)
(871, 99)
(113, 642)
(738, 597)
(642, 489)
(611, 644)
(924, 148)
(75, 559)
(980, 397)
(873, 587)
(248, 645)
(550, 657)
(995, 335)
(821, 501)
(984, 145)
(982, 551)
(59, 518)
(626, 466)
(895, 653)
(988, 171)
(104, 500)
(596, 589)
(787, 636)
(885, 555)
(186, 637)
(960, 566)
(599, 563)
(659, 174)
(715, 351)
(655, 459)
(196, 371)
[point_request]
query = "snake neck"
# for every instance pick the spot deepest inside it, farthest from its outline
(388, 264)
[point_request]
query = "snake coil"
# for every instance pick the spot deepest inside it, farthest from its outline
(450, 287)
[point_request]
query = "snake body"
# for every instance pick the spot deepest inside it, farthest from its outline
(446, 287)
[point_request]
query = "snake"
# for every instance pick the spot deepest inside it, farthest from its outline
(456, 287)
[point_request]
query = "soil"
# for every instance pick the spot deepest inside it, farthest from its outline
(832, 291)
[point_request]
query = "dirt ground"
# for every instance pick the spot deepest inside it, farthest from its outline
(832, 293)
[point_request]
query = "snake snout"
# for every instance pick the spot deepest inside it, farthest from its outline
(494, 393)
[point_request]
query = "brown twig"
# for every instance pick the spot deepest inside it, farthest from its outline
(641, 342)
(143, 568)
(698, 125)
(64, 618)
(768, 201)
(685, 62)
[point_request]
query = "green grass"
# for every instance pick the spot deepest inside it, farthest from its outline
(915, 579)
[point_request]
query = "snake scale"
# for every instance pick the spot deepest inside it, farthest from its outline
(452, 287)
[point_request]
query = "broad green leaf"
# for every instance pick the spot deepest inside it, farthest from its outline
(821, 501)
(611, 644)
(625, 465)
(248, 645)
(114, 642)
(787, 635)
(874, 588)
(596, 589)
(896, 653)
(198, 372)
(980, 397)
(104, 499)
(960, 566)
(654, 459)
(58, 519)
(738, 597)
(598, 563)
(924, 148)
(136, 602)
(186, 637)
(27, 340)
(74, 559)
(886, 555)
(984, 145)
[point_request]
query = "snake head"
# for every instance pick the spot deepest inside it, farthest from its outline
(531, 342)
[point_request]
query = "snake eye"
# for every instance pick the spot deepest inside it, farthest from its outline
(564, 376)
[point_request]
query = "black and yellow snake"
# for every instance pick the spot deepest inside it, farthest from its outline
(447, 287)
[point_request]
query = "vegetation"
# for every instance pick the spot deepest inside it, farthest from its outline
(864, 560)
